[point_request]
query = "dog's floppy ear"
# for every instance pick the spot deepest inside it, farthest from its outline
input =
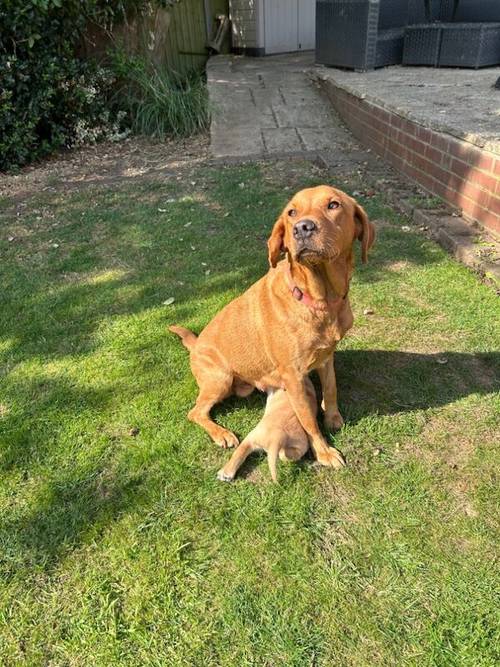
(365, 231)
(275, 242)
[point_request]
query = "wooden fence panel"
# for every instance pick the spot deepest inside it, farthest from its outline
(175, 37)
(185, 46)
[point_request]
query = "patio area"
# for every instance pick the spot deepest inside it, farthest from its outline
(438, 127)
(459, 102)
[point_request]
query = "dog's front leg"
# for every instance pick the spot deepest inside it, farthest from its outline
(295, 386)
(333, 418)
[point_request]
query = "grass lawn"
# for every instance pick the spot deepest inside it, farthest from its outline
(118, 546)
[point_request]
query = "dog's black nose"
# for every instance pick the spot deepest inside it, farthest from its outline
(303, 229)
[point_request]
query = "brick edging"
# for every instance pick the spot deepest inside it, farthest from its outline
(465, 176)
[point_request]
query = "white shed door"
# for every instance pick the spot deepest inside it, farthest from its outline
(289, 25)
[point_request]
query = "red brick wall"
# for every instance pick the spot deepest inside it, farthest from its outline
(462, 174)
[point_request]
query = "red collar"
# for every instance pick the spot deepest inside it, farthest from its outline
(307, 299)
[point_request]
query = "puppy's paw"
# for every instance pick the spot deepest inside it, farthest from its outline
(225, 439)
(331, 458)
(224, 477)
(334, 422)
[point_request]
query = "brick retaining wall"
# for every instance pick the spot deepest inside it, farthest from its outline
(465, 176)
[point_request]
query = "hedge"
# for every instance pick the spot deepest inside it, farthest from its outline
(49, 97)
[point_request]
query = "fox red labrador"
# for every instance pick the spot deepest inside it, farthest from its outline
(288, 322)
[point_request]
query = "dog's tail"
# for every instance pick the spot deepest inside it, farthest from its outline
(187, 337)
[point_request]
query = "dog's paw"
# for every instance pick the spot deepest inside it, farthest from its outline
(334, 422)
(224, 477)
(225, 439)
(331, 458)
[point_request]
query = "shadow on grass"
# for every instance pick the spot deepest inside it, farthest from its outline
(50, 317)
(370, 383)
(72, 507)
(31, 429)
(380, 382)
(389, 382)
(56, 325)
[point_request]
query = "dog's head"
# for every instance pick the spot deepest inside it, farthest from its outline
(319, 225)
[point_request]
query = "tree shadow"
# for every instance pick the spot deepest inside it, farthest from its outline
(381, 382)
(76, 491)
(53, 316)
(71, 507)
(53, 320)
(41, 405)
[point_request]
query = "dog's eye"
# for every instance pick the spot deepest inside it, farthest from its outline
(333, 204)
(292, 212)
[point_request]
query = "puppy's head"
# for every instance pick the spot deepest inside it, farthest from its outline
(318, 225)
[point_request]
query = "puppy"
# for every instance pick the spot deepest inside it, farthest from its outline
(278, 433)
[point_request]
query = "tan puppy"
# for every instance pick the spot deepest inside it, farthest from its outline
(290, 321)
(278, 433)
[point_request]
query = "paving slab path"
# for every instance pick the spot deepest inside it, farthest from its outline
(269, 106)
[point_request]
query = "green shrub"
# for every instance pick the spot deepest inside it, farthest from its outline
(160, 103)
(45, 90)
(49, 97)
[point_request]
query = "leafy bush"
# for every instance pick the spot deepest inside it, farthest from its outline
(160, 103)
(45, 89)
(49, 97)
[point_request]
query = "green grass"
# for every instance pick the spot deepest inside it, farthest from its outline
(123, 549)
(426, 202)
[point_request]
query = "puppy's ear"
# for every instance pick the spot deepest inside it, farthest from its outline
(275, 242)
(365, 231)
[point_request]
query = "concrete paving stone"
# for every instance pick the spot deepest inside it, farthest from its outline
(322, 138)
(457, 227)
(267, 120)
(302, 115)
(224, 106)
(291, 95)
(219, 64)
(282, 140)
(294, 82)
(237, 116)
(222, 122)
(227, 91)
(461, 247)
(257, 104)
(246, 117)
(265, 98)
(245, 81)
(237, 142)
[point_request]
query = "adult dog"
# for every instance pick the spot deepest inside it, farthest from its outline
(290, 321)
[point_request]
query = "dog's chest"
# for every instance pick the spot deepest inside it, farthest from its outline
(319, 358)
(323, 339)
(321, 344)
